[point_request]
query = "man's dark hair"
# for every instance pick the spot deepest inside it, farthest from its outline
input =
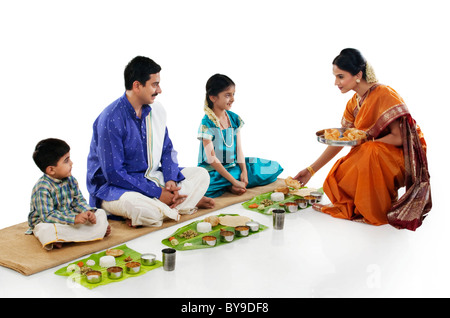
(139, 69)
(49, 151)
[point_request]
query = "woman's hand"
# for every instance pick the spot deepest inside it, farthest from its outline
(303, 177)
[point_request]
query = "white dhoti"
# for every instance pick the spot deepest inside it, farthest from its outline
(143, 210)
(49, 233)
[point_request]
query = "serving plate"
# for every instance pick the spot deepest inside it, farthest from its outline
(340, 143)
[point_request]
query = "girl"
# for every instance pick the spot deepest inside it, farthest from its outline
(220, 145)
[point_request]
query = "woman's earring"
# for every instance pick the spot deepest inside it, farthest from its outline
(358, 80)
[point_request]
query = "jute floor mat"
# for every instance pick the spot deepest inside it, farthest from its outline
(24, 254)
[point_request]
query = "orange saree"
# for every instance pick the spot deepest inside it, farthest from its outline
(363, 185)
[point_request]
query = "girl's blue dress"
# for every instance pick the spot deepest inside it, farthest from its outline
(260, 171)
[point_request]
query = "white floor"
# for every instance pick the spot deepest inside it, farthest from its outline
(315, 255)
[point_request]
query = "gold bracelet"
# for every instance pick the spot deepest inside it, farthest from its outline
(311, 171)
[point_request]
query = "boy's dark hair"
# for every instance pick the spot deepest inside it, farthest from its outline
(139, 69)
(49, 151)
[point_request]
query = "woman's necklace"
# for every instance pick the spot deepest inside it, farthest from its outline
(232, 132)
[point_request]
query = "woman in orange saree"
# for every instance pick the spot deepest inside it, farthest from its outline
(363, 185)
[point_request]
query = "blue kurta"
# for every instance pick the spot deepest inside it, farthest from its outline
(259, 171)
(118, 160)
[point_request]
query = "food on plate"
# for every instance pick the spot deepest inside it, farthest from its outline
(226, 236)
(242, 230)
(204, 227)
(304, 191)
(115, 272)
(266, 202)
(233, 220)
(114, 252)
(302, 203)
(90, 262)
(148, 259)
(311, 199)
(253, 225)
(354, 134)
(173, 241)
(290, 182)
(188, 234)
(128, 259)
(348, 135)
(277, 196)
(107, 261)
(332, 134)
(209, 240)
(94, 277)
(73, 268)
(253, 206)
(291, 207)
(284, 190)
(133, 267)
(214, 220)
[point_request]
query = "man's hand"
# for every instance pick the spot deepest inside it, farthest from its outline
(170, 195)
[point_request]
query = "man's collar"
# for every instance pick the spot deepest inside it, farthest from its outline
(145, 108)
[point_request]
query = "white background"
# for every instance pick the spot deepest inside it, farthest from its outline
(62, 62)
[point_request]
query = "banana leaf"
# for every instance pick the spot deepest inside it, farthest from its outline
(128, 252)
(267, 209)
(197, 240)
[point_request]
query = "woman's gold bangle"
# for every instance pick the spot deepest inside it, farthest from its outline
(311, 170)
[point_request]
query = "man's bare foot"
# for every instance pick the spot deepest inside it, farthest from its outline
(128, 221)
(108, 230)
(236, 190)
(206, 203)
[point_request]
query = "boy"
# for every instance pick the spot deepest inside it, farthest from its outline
(58, 211)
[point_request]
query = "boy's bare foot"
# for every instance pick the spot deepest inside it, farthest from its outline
(206, 203)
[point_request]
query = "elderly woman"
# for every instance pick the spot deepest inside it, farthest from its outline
(363, 185)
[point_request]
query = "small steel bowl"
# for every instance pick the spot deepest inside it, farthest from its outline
(302, 203)
(310, 199)
(148, 259)
(253, 225)
(209, 240)
(242, 230)
(93, 277)
(291, 207)
(133, 267)
(226, 236)
(115, 272)
(317, 195)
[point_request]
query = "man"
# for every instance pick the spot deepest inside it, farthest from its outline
(132, 167)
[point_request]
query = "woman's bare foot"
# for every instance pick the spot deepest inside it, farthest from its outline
(206, 203)
(318, 207)
(57, 244)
